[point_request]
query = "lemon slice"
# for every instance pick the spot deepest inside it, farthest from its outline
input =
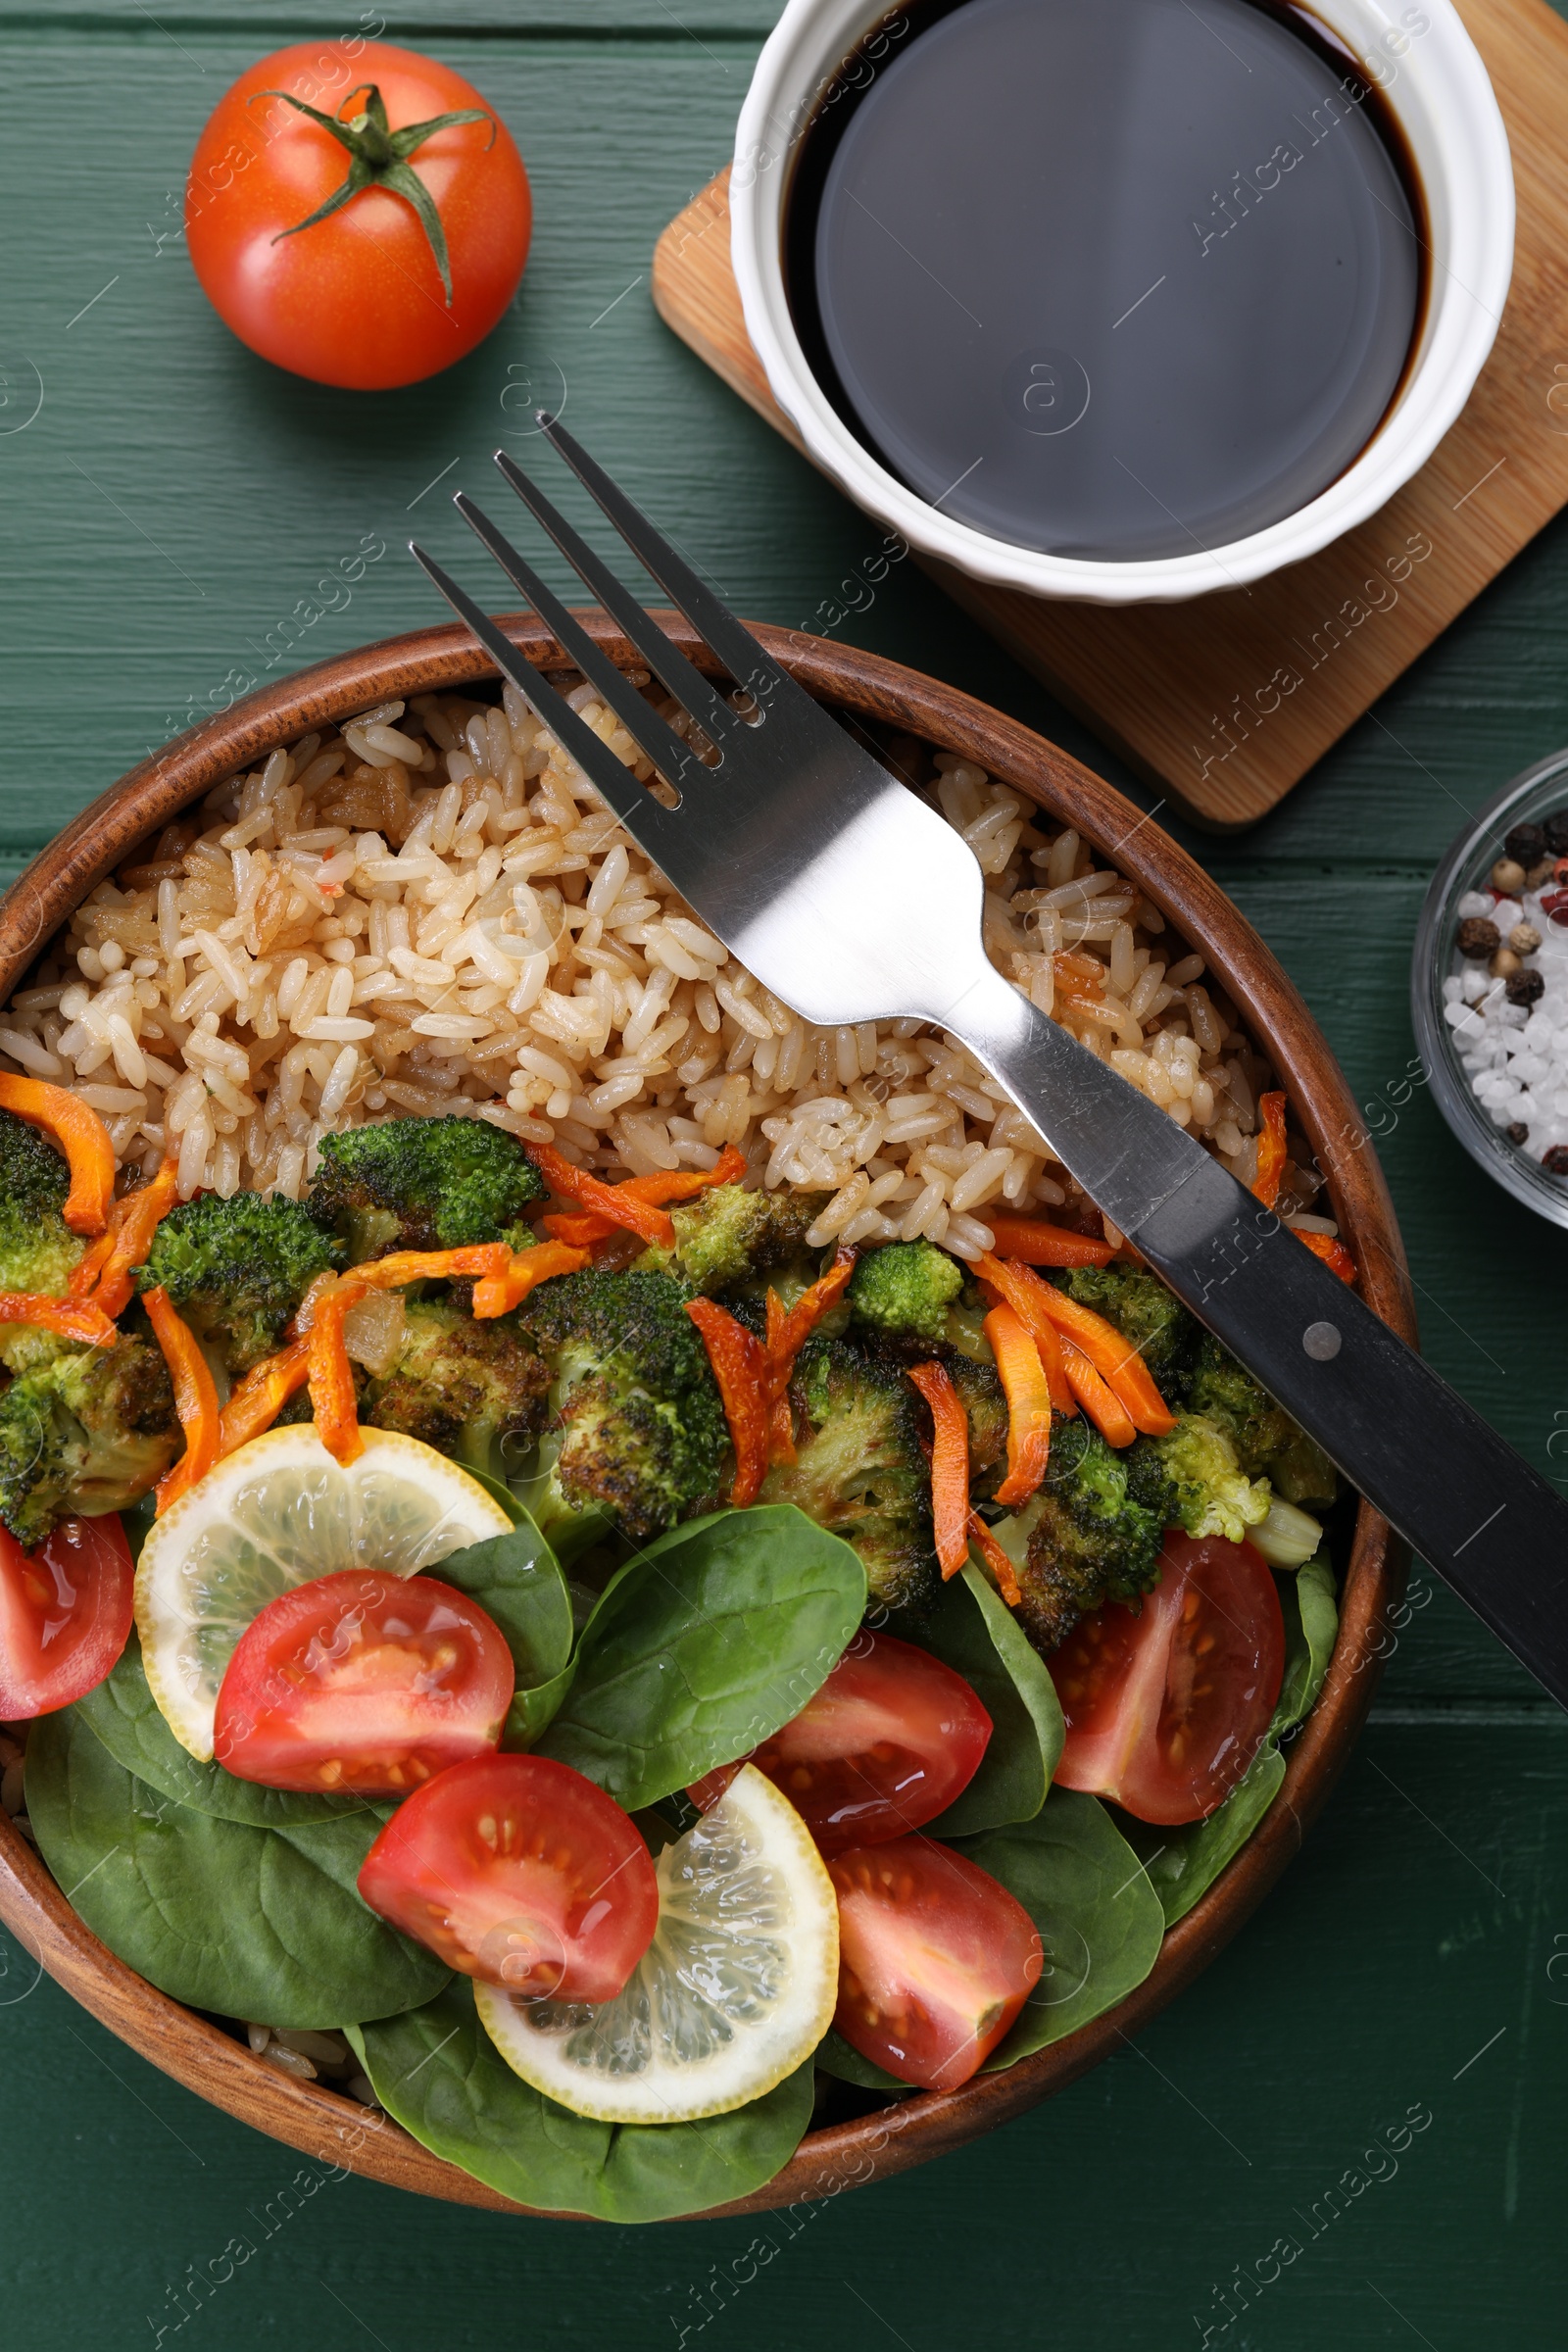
(737, 1987)
(270, 1515)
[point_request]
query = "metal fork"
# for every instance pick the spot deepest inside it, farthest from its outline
(852, 900)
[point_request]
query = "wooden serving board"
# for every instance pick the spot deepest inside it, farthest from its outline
(1226, 701)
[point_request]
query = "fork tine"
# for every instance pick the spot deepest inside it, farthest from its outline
(684, 680)
(651, 733)
(637, 809)
(739, 651)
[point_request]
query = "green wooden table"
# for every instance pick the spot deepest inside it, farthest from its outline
(167, 514)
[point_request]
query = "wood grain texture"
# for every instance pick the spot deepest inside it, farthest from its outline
(312, 2118)
(1228, 700)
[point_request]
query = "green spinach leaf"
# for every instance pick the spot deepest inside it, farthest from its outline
(257, 1922)
(516, 1580)
(1099, 1920)
(438, 2074)
(124, 1715)
(702, 1646)
(498, 1492)
(1183, 1862)
(972, 1630)
(1312, 1625)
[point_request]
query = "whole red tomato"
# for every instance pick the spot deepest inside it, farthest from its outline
(359, 297)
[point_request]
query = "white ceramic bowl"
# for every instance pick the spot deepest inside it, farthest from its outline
(1425, 63)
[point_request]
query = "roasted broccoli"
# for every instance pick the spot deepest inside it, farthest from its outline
(1214, 1495)
(237, 1269)
(860, 1470)
(37, 1248)
(423, 1184)
(1092, 1533)
(641, 1439)
(906, 1289)
(474, 1391)
(984, 1407)
(1268, 1443)
(1144, 1311)
(87, 1431)
(729, 1238)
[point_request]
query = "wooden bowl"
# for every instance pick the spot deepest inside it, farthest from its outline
(333, 2129)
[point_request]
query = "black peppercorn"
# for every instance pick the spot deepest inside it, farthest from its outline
(1555, 830)
(1556, 1161)
(1526, 842)
(1518, 1133)
(1479, 937)
(1524, 988)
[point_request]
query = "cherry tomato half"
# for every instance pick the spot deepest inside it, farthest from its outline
(1166, 1709)
(888, 1742)
(363, 1682)
(519, 1871)
(935, 1959)
(357, 299)
(65, 1614)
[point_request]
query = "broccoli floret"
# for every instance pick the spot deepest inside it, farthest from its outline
(1213, 1495)
(906, 1288)
(1092, 1533)
(474, 1391)
(423, 1184)
(37, 1248)
(859, 1468)
(88, 1431)
(642, 1434)
(237, 1269)
(729, 1237)
(1268, 1443)
(1144, 1311)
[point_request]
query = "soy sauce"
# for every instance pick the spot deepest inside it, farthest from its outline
(1110, 279)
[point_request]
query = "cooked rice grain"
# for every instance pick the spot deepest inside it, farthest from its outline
(432, 910)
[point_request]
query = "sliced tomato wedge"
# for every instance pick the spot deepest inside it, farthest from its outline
(519, 1871)
(935, 1959)
(65, 1614)
(887, 1744)
(363, 1683)
(1165, 1709)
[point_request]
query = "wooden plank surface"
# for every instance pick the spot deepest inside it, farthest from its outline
(1420, 1922)
(1226, 701)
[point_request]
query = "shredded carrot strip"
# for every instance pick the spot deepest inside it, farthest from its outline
(613, 1200)
(73, 1319)
(581, 1228)
(995, 1559)
(950, 1466)
(262, 1395)
(499, 1294)
(1334, 1255)
(124, 1247)
(1098, 1397)
(1028, 1394)
(1272, 1154)
(389, 1273)
(740, 1367)
(1038, 1243)
(331, 1375)
(786, 1335)
(195, 1397)
(1021, 1289)
(1112, 1356)
(82, 1137)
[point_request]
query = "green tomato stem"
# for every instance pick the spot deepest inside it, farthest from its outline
(379, 159)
